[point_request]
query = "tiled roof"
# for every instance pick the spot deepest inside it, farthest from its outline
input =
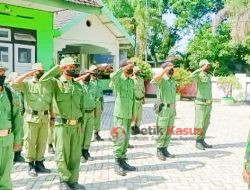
(94, 3)
(63, 17)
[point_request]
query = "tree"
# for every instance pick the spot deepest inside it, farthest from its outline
(192, 13)
(219, 50)
(238, 13)
(147, 27)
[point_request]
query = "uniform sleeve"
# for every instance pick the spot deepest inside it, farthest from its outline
(247, 155)
(133, 108)
(195, 74)
(18, 120)
(82, 104)
(115, 78)
(20, 87)
(156, 82)
(51, 74)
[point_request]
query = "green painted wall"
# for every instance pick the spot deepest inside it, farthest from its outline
(41, 21)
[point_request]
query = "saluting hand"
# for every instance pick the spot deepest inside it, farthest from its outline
(17, 147)
(246, 176)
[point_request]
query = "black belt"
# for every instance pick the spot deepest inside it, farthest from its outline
(88, 111)
(67, 121)
(34, 112)
(139, 98)
(204, 100)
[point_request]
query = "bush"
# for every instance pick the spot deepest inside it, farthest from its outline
(146, 69)
(227, 84)
(182, 78)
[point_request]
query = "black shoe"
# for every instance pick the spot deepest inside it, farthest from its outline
(118, 168)
(51, 149)
(133, 132)
(160, 154)
(64, 186)
(205, 145)
(167, 154)
(126, 166)
(137, 130)
(90, 158)
(39, 167)
(84, 154)
(76, 186)
(18, 157)
(131, 146)
(199, 145)
(97, 137)
(32, 171)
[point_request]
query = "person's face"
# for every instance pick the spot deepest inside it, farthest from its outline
(94, 75)
(39, 73)
(206, 67)
(2, 77)
(170, 69)
(129, 69)
(70, 70)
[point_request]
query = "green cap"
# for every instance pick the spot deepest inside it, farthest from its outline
(37, 66)
(68, 61)
(204, 62)
(93, 68)
(3, 67)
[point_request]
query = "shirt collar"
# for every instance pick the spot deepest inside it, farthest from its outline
(124, 77)
(63, 79)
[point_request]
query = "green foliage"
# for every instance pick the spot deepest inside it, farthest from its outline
(146, 70)
(227, 84)
(216, 49)
(145, 25)
(182, 77)
(191, 12)
(226, 57)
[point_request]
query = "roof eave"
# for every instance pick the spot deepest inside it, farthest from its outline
(69, 5)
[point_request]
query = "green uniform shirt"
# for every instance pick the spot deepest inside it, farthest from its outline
(247, 155)
(99, 95)
(139, 87)
(69, 95)
(37, 94)
(204, 84)
(90, 95)
(166, 91)
(124, 91)
(5, 115)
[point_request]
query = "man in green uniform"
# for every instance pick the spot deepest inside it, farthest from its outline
(246, 170)
(89, 107)
(203, 103)
(166, 96)
(69, 104)
(99, 102)
(12, 76)
(123, 114)
(10, 130)
(37, 100)
(139, 100)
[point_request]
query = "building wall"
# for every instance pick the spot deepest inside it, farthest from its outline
(40, 21)
(98, 35)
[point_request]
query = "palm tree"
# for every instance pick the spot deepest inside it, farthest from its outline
(238, 13)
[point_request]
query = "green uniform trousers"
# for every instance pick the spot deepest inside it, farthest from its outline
(138, 112)
(68, 152)
(120, 147)
(165, 122)
(88, 128)
(51, 135)
(98, 114)
(6, 161)
(36, 140)
(202, 119)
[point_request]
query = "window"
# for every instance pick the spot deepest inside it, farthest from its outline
(24, 55)
(5, 34)
(4, 54)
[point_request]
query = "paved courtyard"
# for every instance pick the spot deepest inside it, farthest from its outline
(218, 168)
